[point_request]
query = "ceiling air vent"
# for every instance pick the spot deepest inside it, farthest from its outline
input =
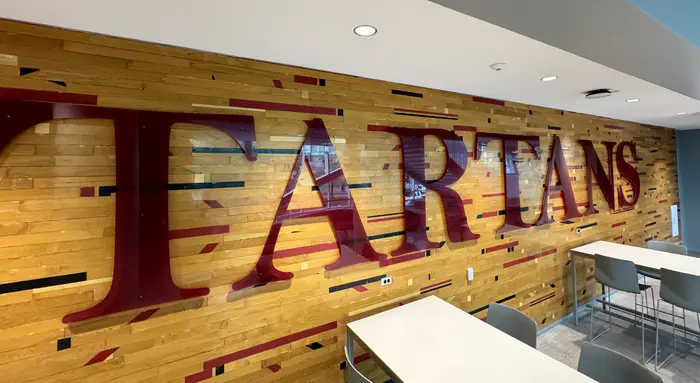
(598, 93)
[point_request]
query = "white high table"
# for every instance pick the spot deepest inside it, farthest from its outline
(644, 259)
(432, 341)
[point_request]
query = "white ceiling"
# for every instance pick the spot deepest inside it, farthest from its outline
(418, 43)
(624, 38)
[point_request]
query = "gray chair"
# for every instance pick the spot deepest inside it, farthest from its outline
(620, 275)
(674, 249)
(607, 366)
(667, 247)
(351, 373)
(513, 323)
(678, 289)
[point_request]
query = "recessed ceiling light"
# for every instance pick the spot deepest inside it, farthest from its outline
(633, 100)
(681, 113)
(365, 30)
(549, 78)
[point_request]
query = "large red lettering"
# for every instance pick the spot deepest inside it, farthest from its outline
(509, 146)
(557, 161)
(319, 155)
(595, 167)
(141, 256)
(628, 172)
(415, 186)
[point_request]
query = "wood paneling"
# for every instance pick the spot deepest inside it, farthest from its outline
(55, 222)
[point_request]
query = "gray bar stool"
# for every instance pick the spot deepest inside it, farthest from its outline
(607, 366)
(513, 323)
(678, 289)
(620, 275)
(351, 373)
(669, 248)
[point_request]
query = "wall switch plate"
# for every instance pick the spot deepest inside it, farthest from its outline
(386, 281)
(470, 274)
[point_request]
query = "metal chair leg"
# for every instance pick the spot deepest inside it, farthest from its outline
(609, 310)
(685, 327)
(593, 301)
(644, 281)
(675, 350)
(641, 297)
(655, 309)
(656, 347)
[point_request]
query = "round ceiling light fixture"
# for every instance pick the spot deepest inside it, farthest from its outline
(632, 100)
(598, 93)
(681, 113)
(365, 30)
(549, 78)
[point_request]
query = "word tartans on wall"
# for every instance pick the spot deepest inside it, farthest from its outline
(142, 261)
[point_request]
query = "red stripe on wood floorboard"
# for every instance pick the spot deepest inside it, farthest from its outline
(493, 195)
(462, 128)
(281, 106)
(542, 299)
(143, 315)
(208, 248)
(501, 247)
(214, 204)
(101, 356)
(87, 191)
(305, 80)
(618, 224)
(274, 367)
(488, 100)
(197, 231)
(278, 84)
(529, 258)
(198, 377)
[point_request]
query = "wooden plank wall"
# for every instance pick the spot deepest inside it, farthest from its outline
(51, 225)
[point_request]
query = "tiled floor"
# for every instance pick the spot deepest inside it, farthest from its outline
(563, 341)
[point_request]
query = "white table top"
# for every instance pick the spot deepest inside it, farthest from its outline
(432, 341)
(651, 259)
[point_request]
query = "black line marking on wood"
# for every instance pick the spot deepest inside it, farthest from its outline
(352, 284)
(406, 93)
(23, 71)
(13, 287)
